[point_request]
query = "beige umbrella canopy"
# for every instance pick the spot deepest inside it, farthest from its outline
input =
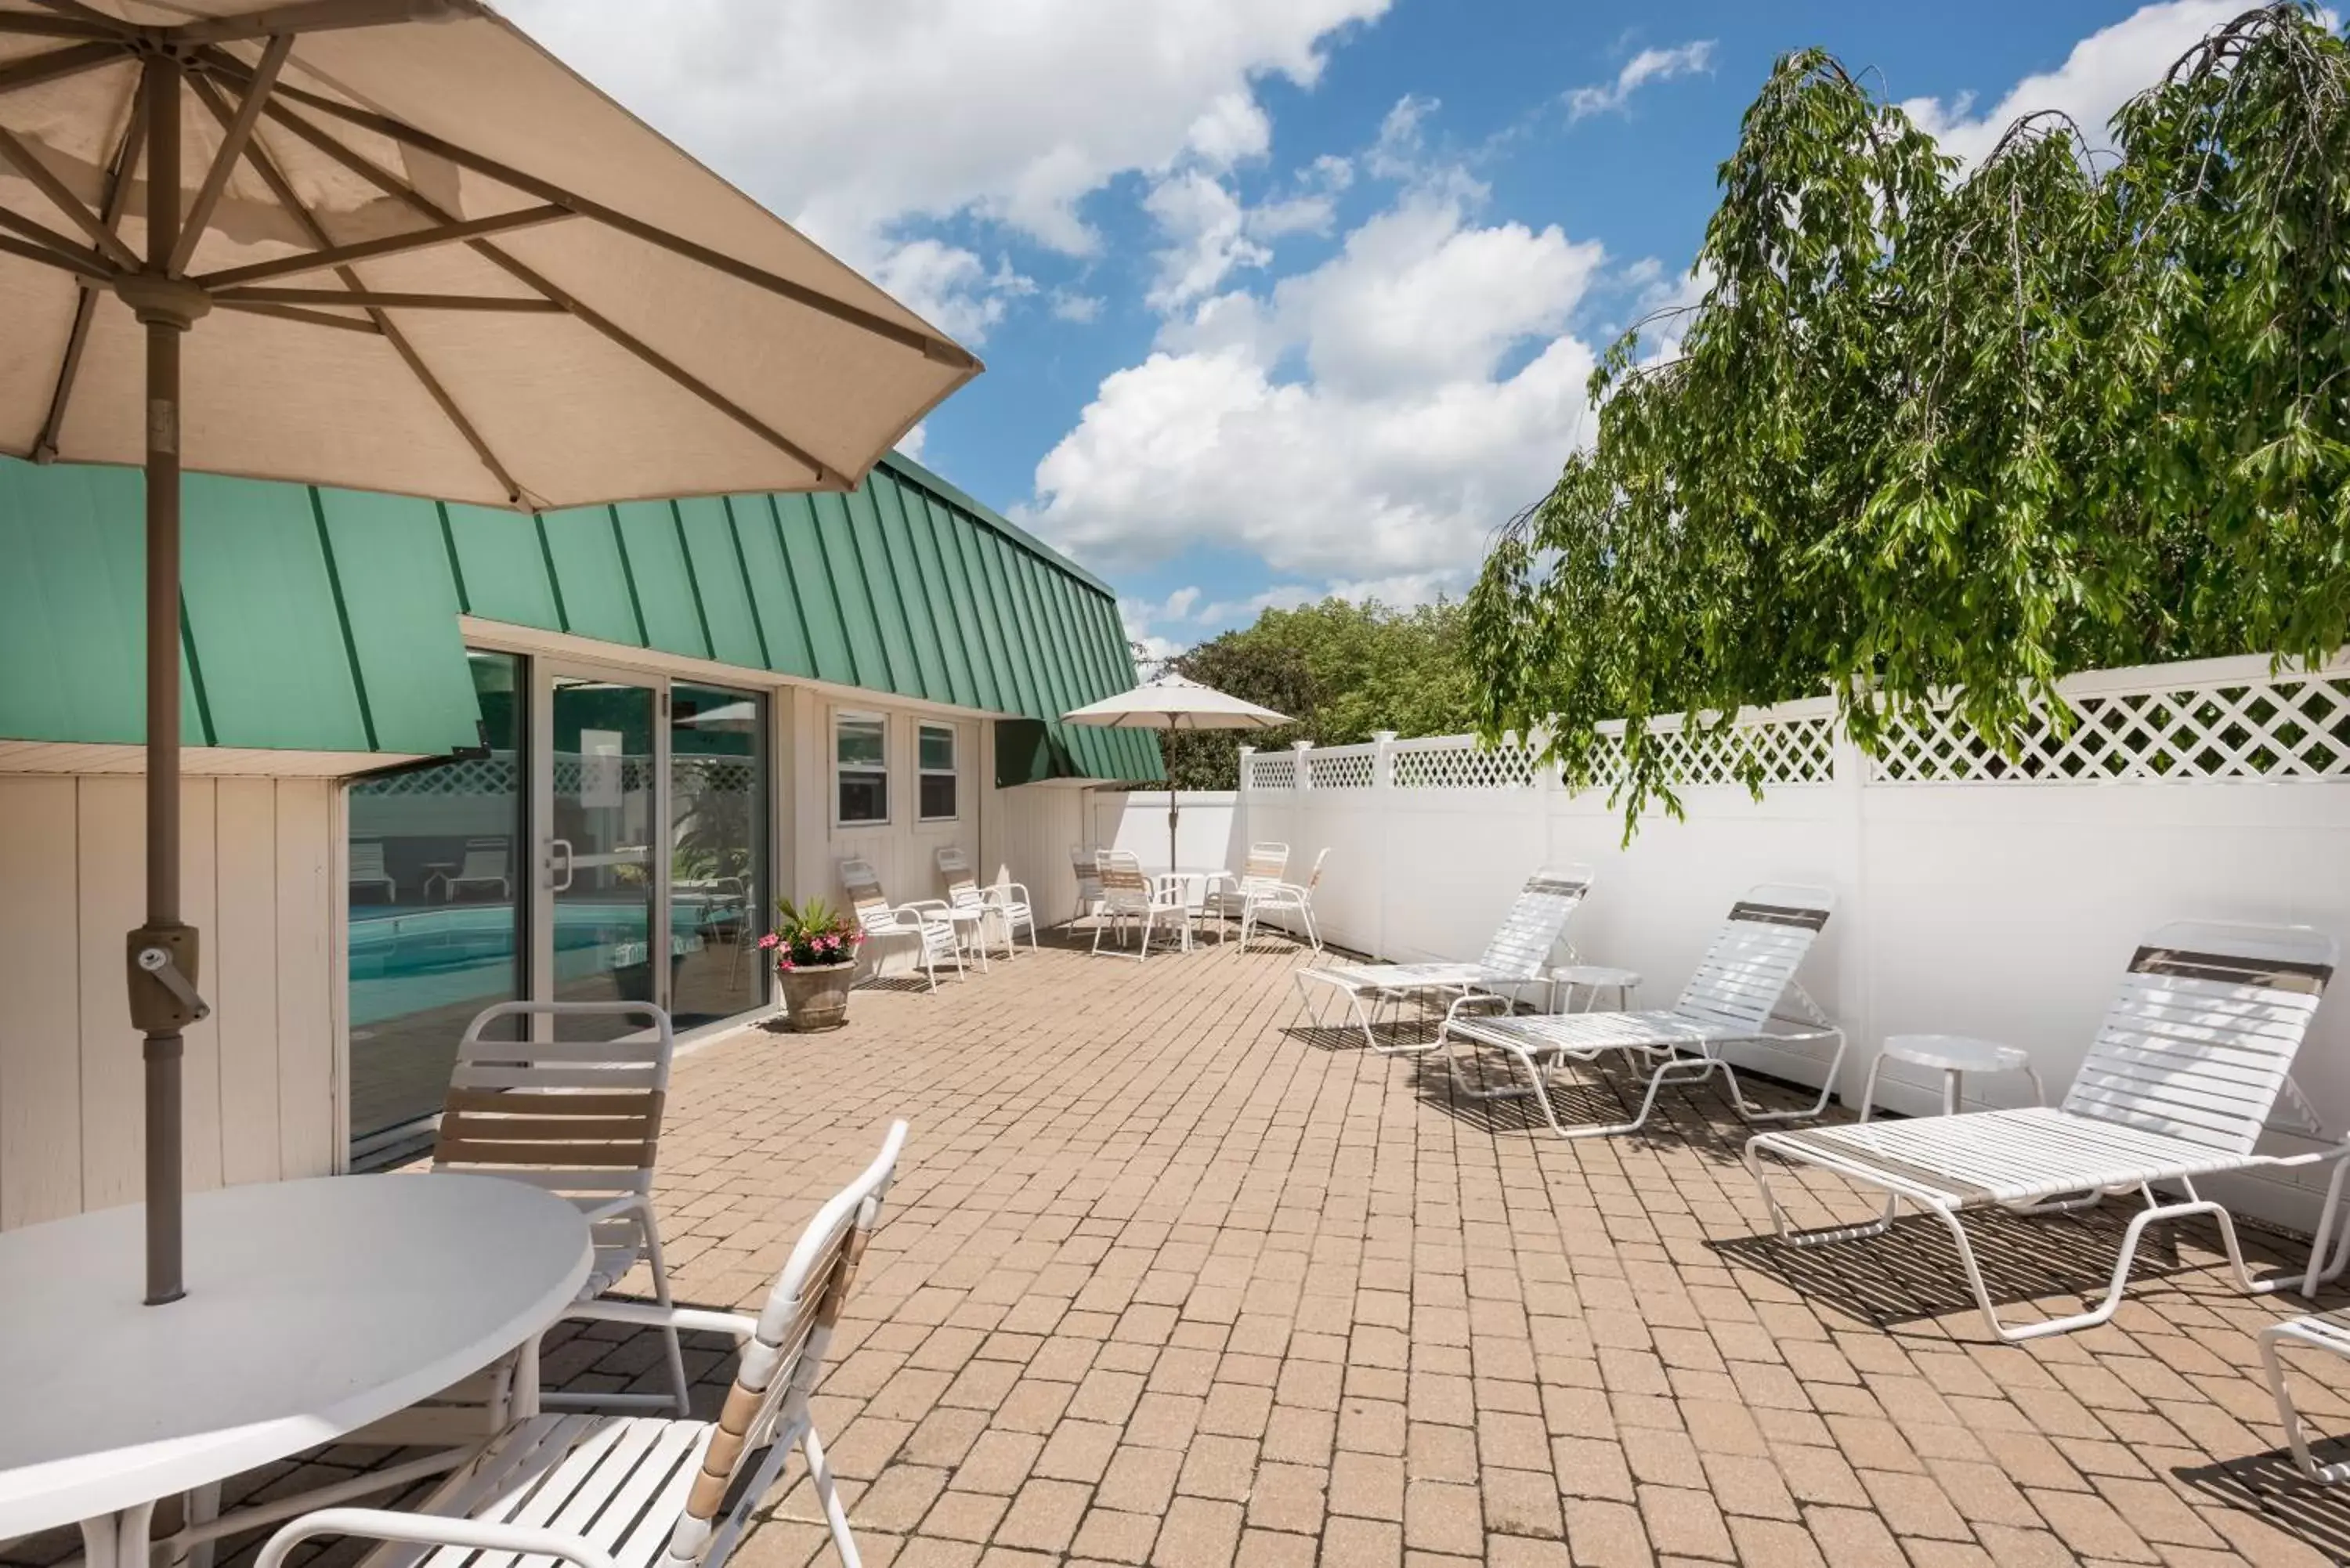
(1174, 702)
(391, 244)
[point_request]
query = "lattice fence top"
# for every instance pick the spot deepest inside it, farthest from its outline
(495, 774)
(1273, 770)
(2288, 726)
(1345, 767)
(1458, 762)
(1796, 749)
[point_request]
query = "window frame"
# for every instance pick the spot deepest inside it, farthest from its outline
(952, 771)
(881, 770)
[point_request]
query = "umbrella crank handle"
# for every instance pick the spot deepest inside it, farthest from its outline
(164, 998)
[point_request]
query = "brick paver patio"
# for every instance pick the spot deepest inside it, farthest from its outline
(1169, 1279)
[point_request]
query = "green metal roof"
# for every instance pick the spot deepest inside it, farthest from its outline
(322, 619)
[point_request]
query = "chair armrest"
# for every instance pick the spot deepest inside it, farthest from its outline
(737, 1327)
(995, 893)
(612, 1209)
(430, 1530)
(1467, 999)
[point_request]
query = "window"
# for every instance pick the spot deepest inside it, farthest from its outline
(861, 765)
(936, 765)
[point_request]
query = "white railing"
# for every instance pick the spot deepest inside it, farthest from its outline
(1977, 893)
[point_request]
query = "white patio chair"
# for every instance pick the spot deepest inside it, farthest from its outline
(581, 1118)
(929, 925)
(1285, 898)
(1085, 865)
(621, 1491)
(2185, 1071)
(1128, 898)
(487, 864)
(1005, 903)
(1515, 959)
(1226, 896)
(368, 868)
(2327, 1332)
(1734, 998)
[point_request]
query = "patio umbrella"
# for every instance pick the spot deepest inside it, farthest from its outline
(406, 250)
(1172, 702)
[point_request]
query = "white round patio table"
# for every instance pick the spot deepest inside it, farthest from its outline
(1956, 1055)
(313, 1307)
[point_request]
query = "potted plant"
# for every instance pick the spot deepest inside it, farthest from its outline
(814, 948)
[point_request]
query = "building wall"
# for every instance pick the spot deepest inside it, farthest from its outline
(261, 866)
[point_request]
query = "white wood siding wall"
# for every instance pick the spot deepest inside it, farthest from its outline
(261, 1072)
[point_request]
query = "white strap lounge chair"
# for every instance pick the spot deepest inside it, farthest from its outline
(2186, 1070)
(1739, 995)
(1006, 904)
(1515, 959)
(931, 925)
(1085, 865)
(1226, 896)
(487, 863)
(368, 868)
(1285, 898)
(2327, 1332)
(622, 1491)
(582, 1118)
(1131, 898)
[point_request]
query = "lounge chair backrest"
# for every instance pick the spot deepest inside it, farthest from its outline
(367, 861)
(962, 889)
(1753, 957)
(864, 885)
(1523, 944)
(1267, 863)
(780, 1366)
(484, 859)
(2203, 1029)
(577, 1117)
(1086, 864)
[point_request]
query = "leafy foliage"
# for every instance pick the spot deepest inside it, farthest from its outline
(811, 935)
(1932, 433)
(1342, 669)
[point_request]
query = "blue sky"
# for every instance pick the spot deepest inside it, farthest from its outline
(1283, 297)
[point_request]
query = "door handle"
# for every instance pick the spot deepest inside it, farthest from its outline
(554, 845)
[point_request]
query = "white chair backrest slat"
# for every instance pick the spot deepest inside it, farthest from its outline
(1521, 944)
(1084, 864)
(578, 1116)
(1124, 887)
(1267, 862)
(2202, 1030)
(366, 860)
(1754, 956)
(962, 888)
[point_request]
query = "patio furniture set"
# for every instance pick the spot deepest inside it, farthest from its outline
(942, 930)
(1115, 890)
(2186, 1071)
(404, 1312)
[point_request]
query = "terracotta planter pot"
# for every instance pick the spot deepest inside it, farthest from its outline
(816, 996)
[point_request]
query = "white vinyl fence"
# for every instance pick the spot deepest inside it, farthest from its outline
(1976, 894)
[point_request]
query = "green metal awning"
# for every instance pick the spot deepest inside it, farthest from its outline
(321, 619)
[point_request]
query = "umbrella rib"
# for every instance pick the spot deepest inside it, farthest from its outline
(307, 317)
(117, 196)
(234, 137)
(13, 150)
(390, 245)
(283, 188)
(495, 302)
(63, 261)
(55, 248)
(930, 345)
(392, 185)
(318, 17)
(35, 69)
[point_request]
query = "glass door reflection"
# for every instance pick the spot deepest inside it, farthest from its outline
(604, 758)
(718, 853)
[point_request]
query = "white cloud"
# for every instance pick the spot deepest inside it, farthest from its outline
(2104, 70)
(950, 286)
(1367, 423)
(1082, 308)
(911, 443)
(848, 117)
(1205, 227)
(1648, 65)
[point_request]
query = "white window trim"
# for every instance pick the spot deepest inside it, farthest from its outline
(954, 739)
(889, 804)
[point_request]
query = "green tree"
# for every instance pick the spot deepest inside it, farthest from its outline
(1342, 669)
(1938, 433)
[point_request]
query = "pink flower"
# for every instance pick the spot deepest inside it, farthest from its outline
(785, 964)
(770, 939)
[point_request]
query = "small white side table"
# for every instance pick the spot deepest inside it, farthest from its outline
(1956, 1055)
(1591, 978)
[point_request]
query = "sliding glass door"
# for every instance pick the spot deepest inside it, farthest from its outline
(599, 939)
(718, 851)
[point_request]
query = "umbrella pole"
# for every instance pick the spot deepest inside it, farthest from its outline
(162, 951)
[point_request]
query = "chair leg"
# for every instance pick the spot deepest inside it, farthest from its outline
(673, 1347)
(820, 1472)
